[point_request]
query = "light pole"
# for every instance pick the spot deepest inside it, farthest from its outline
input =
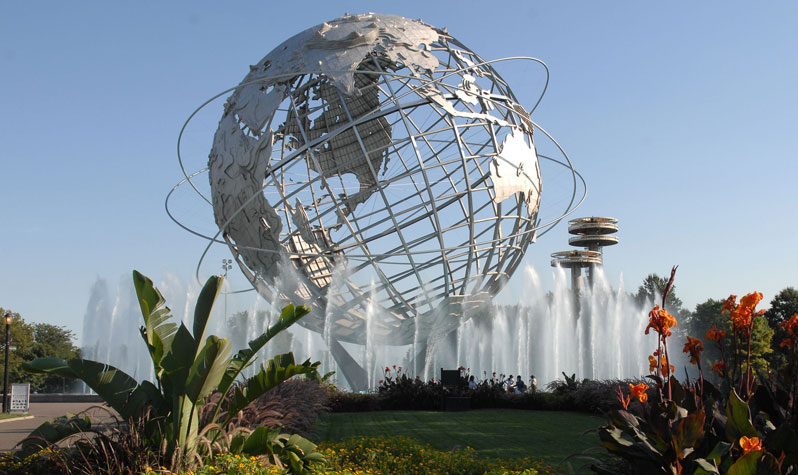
(7, 319)
(227, 264)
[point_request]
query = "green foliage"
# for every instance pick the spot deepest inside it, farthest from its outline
(33, 340)
(782, 307)
(188, 367)
(696, 433)
(708, 314)
(651, 291)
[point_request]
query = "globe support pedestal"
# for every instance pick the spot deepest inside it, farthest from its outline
(354, 373)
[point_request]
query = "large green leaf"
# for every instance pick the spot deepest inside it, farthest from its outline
(202, 311)
(746, 465)
(274, 372)
(288, 316)
(52, 432)
(148, 395)
(628, 447)
(208, 368)
(112, 384)
(705, 467)
(157, 331)
(738, 422)
(263, 440)
(687, 432)
(719, 451)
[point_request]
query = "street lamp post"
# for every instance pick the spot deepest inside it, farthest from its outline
(227, 264)
(7, 319)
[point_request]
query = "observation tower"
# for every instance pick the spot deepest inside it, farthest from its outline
(593, 234)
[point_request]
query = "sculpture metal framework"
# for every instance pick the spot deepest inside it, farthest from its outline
(384, 148)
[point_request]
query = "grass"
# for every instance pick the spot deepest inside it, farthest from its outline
(552, 435)
(12, 416)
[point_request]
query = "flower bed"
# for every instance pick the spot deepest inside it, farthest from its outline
(403, 455)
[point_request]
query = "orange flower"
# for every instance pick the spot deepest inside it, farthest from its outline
(751, 300)
(742, 316)
(714, 334)
(639, 391)
(694, 347)
(720, 368)
(664, 367)
(791, 326)
(661, 321)
(749, 444)
(729, 304)
(624, 400)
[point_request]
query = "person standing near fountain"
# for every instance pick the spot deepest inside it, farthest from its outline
(519, 385)
(509, 383)
(533, 383)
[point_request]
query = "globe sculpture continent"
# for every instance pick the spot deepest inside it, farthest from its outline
(375, 164)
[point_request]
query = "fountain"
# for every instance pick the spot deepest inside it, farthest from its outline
(540, 336)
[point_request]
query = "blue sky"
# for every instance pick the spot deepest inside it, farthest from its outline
(680, 115)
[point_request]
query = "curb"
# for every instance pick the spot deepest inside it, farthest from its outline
(21, 418)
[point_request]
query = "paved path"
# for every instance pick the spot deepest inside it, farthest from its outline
(12, 432)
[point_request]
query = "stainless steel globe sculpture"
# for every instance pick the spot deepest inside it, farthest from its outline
(375, 164)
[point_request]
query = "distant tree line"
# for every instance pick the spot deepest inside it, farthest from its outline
(33, 340)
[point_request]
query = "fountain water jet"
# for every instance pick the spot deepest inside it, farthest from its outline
(540, 336)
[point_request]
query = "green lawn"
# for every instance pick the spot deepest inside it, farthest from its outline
(552, 435)
(12, 416)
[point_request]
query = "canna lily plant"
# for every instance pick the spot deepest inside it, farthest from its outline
(188, 367)
(690, 427)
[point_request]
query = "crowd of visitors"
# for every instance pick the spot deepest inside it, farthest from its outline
(516, 385)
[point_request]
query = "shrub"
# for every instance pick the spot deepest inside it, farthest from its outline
(294, 407)
(342, 401)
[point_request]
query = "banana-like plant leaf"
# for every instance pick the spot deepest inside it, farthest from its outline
(177, 362)
(208, 368)
(288, 316)
(157, 330)
(148, 395)
(113, 385)
(274, 372)
(263, 440)
(202, 311)
(50, 365)
(52, 432)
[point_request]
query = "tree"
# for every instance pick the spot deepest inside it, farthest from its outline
(783, 306)
(651, 291)
(708, 314)
(51, 340)
(31, 341)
